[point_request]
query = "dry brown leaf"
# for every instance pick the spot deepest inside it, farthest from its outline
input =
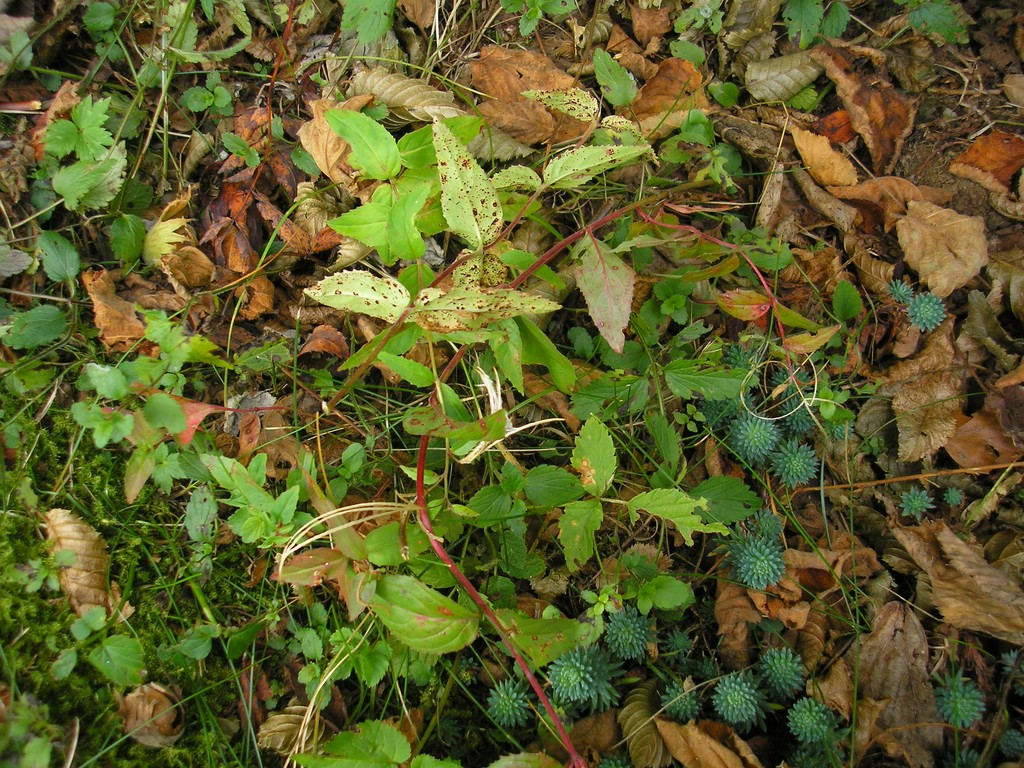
(706, 744)
(835, 689)
(663, 102)
(883, 201)
(735, 613)
(419, 12)
(327, 148)
(981, 440)
(651, 22)
(991, 161)
(826, 165)
(970, 593)
(892, 663)
(945, 248)
(258, 298)
(187, 269)
(327, 340)
(118, 323)
(926, 395)
(153, 715)
(636, 719)
(874, 273)
(84, 582)
(281, 731)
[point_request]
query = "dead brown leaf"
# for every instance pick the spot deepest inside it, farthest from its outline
(650, 21)
(419, 12)
(882, 201)
(327, 148)
(970, 593)
(153, 715)
(663, 102)
(881, 116)
(118, 323)
(258, 298)
(327, 340)
(981, 440)
(706, 744)
(945, 248)
(991, 161)
(735, 613)
(187, 269)
(892, 663)
(826, 165)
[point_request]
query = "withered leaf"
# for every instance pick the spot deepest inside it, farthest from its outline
(663, 102)
(283, 733)
(991, 161)
(118, 323)
(327, 148)
(706, 744)
(85, 581)
(636, 718)
(825, 164)
(946, 248)
(981, 440)
(970, 593)
(153, 715)
(882, 201)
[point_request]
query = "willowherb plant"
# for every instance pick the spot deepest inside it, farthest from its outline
(900, 291)
(679, 704)
(915, 502)
(1011, 744)
(793, 463)
(926, 311)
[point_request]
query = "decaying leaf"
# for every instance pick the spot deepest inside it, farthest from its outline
(327, 148)
(946, 248)
(981, 440)
(84, 582)
(706, 744)
(663, 102)
(116, 319)
(782, 77)
(991, 161)
(882, 201)
(826, 165)
(408, 100)
(636, 718)
(284, 733)
(735, 614)
(892, 665)
(153, 715)
(877, 112)
(970, 593)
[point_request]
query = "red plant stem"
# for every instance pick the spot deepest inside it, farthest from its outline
(575, 760)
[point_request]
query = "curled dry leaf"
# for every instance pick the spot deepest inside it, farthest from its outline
(283, 732)
(946, 248)
(877, 112)
(327, 148)
(892, 664)
(825, 164)
(665, 100)
(981, 440)
(969, 592)
(735, 613)
(116, 319)
(991, 161)
(636, 718)
(84, 582)
(706, 744)
(883, 201)
(153, 715)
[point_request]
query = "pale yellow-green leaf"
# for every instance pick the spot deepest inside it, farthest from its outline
(162, 239)
(468, 199)
(360, 291)
(574, 102)
(580, 164)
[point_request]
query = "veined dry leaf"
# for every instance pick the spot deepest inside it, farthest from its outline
(636, 718)
(1006, 271)
(825, 164)
(153, 715)
(419, 12)
(946, 248)
(893, 666)
(883, 201)
(408, 100)
(781, 78)
(981, 440)
(258, 298)
(970, 593)
(991, 161)
(706, 744)
(984, 328)
(327, 148)
(84, 582)
(747, 19)
(735, 613)
(877, 112)
(116, 319)
(663, 102)
(282, 731)
(874, 273)
(187, 269)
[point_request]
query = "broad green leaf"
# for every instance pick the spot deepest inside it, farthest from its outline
(576, 528)
(846, 301)
(163, 411)
(374, 744)
(368, 224)
(423, 619)
(544, 640)
(606, 282)
(429, 420)
(516, 177)
(371, 19)
(127, 234)
(163, 238)
(666, 440)
(108, 426)
(538, 349)
(687, 377)
(356, 290)
(119, 659)
(548, 486)
(687, 51)
(594, 456)
(679, 508)
(427, 761)
(468, 199)
(836, 19)
(239, 147)
(197, 99)
(617, 85)
(730, 500)
(90, 185)
(575, 102)
(578, 165)
(374, 150)
(471, 308)
(60, 259)
(108, 381)
(38, 326)
(744, 303)
(62, 667)
(803, 17)
(405, 243)
(415, 373)
(666, 593)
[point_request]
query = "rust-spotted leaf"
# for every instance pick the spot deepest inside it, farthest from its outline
(468, 199)
(606, 282)
(580, 164)
(356, 290)
(422, 618)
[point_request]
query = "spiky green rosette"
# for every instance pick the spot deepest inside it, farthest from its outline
(718, 413)
(1011, 744)
(798, 422)
(583, 678)
(507, 705)
(915, 502)
(738, 356)
(615, 761)
(626, 633)
(756, 561)
(793, 463)
(900, 291)
(766, 524)
(959, 701)
(810, 721)
(782, 671)
(680, 705)
(953, 496)
(678, 643)
(753, 438)
(926, 311)
(739, 701)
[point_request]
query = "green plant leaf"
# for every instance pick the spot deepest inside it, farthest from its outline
(107, 425)
(164, 412)
(127, 235)
(679, 508)
(836, 19)
(803, 18)
(688, 377)
(687, 51)
(374, 150)
(548, 486)
(544, 640)
(468, 199)
(415, 373)
(594, 456)
(405, 243)
(578, 165)
(119, 658)
(666, 593)
(616, 83)
(575, 102)
(38, 326)
(89, 185)
(606, 282)
(538, 349)
(108, 381)
(360, 291)
(371, 19)
(422, 618)
(197, 99)
(374, 744)
(426, 761)
(429, 420)
(576, 528)
(846, 302)
(60, 258)
(471, 308)
(730, 500)
(368, 224)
